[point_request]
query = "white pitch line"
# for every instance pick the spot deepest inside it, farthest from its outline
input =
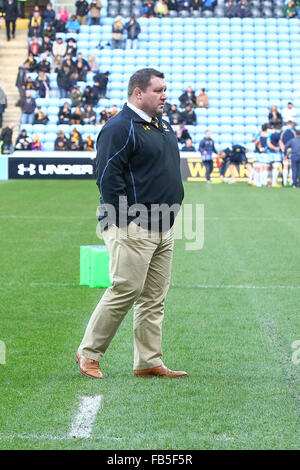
(204, 286)
(83, 423)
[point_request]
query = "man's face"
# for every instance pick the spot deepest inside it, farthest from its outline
(153, 99)
(208, 134)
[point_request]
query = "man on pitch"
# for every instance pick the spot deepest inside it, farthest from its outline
(137, 165)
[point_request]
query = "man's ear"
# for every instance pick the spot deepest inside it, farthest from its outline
(137, 93)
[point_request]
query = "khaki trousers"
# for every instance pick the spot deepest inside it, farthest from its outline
(140, 271)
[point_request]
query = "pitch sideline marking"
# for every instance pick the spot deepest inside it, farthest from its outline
(83, 422)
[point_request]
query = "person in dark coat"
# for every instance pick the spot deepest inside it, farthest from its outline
(11, 15)
(101, 80)
(6, 137)
(133, 30)
(3, 104)
(188, 97)
(293, 146)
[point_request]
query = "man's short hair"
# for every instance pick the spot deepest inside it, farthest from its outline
(141, 79)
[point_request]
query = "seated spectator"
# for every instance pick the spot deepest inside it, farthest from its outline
(61, 142)
(69, 62)
(42, 85)
(95, 11)
(32, 62)
(77, 115)
(114, 110)
(188, 97)
(40, 117)
(243, 9)
(184, 5)
(23, 141)
(89, 115)
(82, 9)
(34, 46)
(50, 32)
(289, 114)
(173, 4)
(189, 116)
(71, 47)
(161, 8)
(188, 147)
(275, 117)
(105, 115)
(209, 5)
(44, 65)
(82, 67)
(290, 9)
(230, 9)
(73, 25)
(36, 143)
(75, 141)
(196, 4)
(48, 15)
(89, 97)
(182, 133)
(88, 144)
(64, 114)
(46, 47)
(202, 99)
(57, 64)
(65, 81)
(76, 96)
(35, 25)
(59, 48)
(59, 24)
(174, 115)
(147, 9)
(62, 14)
(93, 64)
(101, 81)
(117, 33)
(29, 85)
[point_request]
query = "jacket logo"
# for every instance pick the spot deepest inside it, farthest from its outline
(147, 128)
(165, 127)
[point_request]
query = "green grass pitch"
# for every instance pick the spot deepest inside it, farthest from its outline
(232, 314)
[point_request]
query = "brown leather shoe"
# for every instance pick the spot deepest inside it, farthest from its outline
(88, 367)
(160, 371)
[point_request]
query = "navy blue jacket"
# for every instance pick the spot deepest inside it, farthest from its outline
(206, 148)
(294, 145)
(138, 160)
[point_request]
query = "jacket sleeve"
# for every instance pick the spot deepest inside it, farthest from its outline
(115, 144)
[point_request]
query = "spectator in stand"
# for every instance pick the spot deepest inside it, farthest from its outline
(62, 14)
(71, 47)
(61, 142)
(28, 105)
(35, 25)
(101, 81)
(57, 64)
(207, 148)
(36, 143)
(32, 62)
(89, 97)
(64, 114)
(174, 115)
(30, 85)
(189, 116)
(93, 64)
(42, 85)
(48, 15)
(77, 115)
(289, 114)
(73, 25)
(89, 115)
(21, 80)
(34, 47)
(202, 99)
(188, 97)
(40, 117)
(82, 9)
(161, 8)
(117, 33)
(133, 30)
(243, 9)
(59, 48)
(88, 144)
(147, 9)
(188, 146)
(184, 5)
(290, 9)
(3, 104)
(60, 24)
(230, 9)
(209, 5)
(10, 9)
(182, 133)
(75, 141)
(50, 32)
(275, 117)
(46, 47)
(114, 110)
(196, 4)
(44, 65)
(104, 115)
(76, 96)
(6, 137)
(82, 68)
(68, 61)
(95, 11)
(23, 141)
(64, 81)
(21, 8)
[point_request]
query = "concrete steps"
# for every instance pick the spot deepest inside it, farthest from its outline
(13, 53)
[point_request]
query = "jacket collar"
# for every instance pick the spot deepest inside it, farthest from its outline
(133, 115)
